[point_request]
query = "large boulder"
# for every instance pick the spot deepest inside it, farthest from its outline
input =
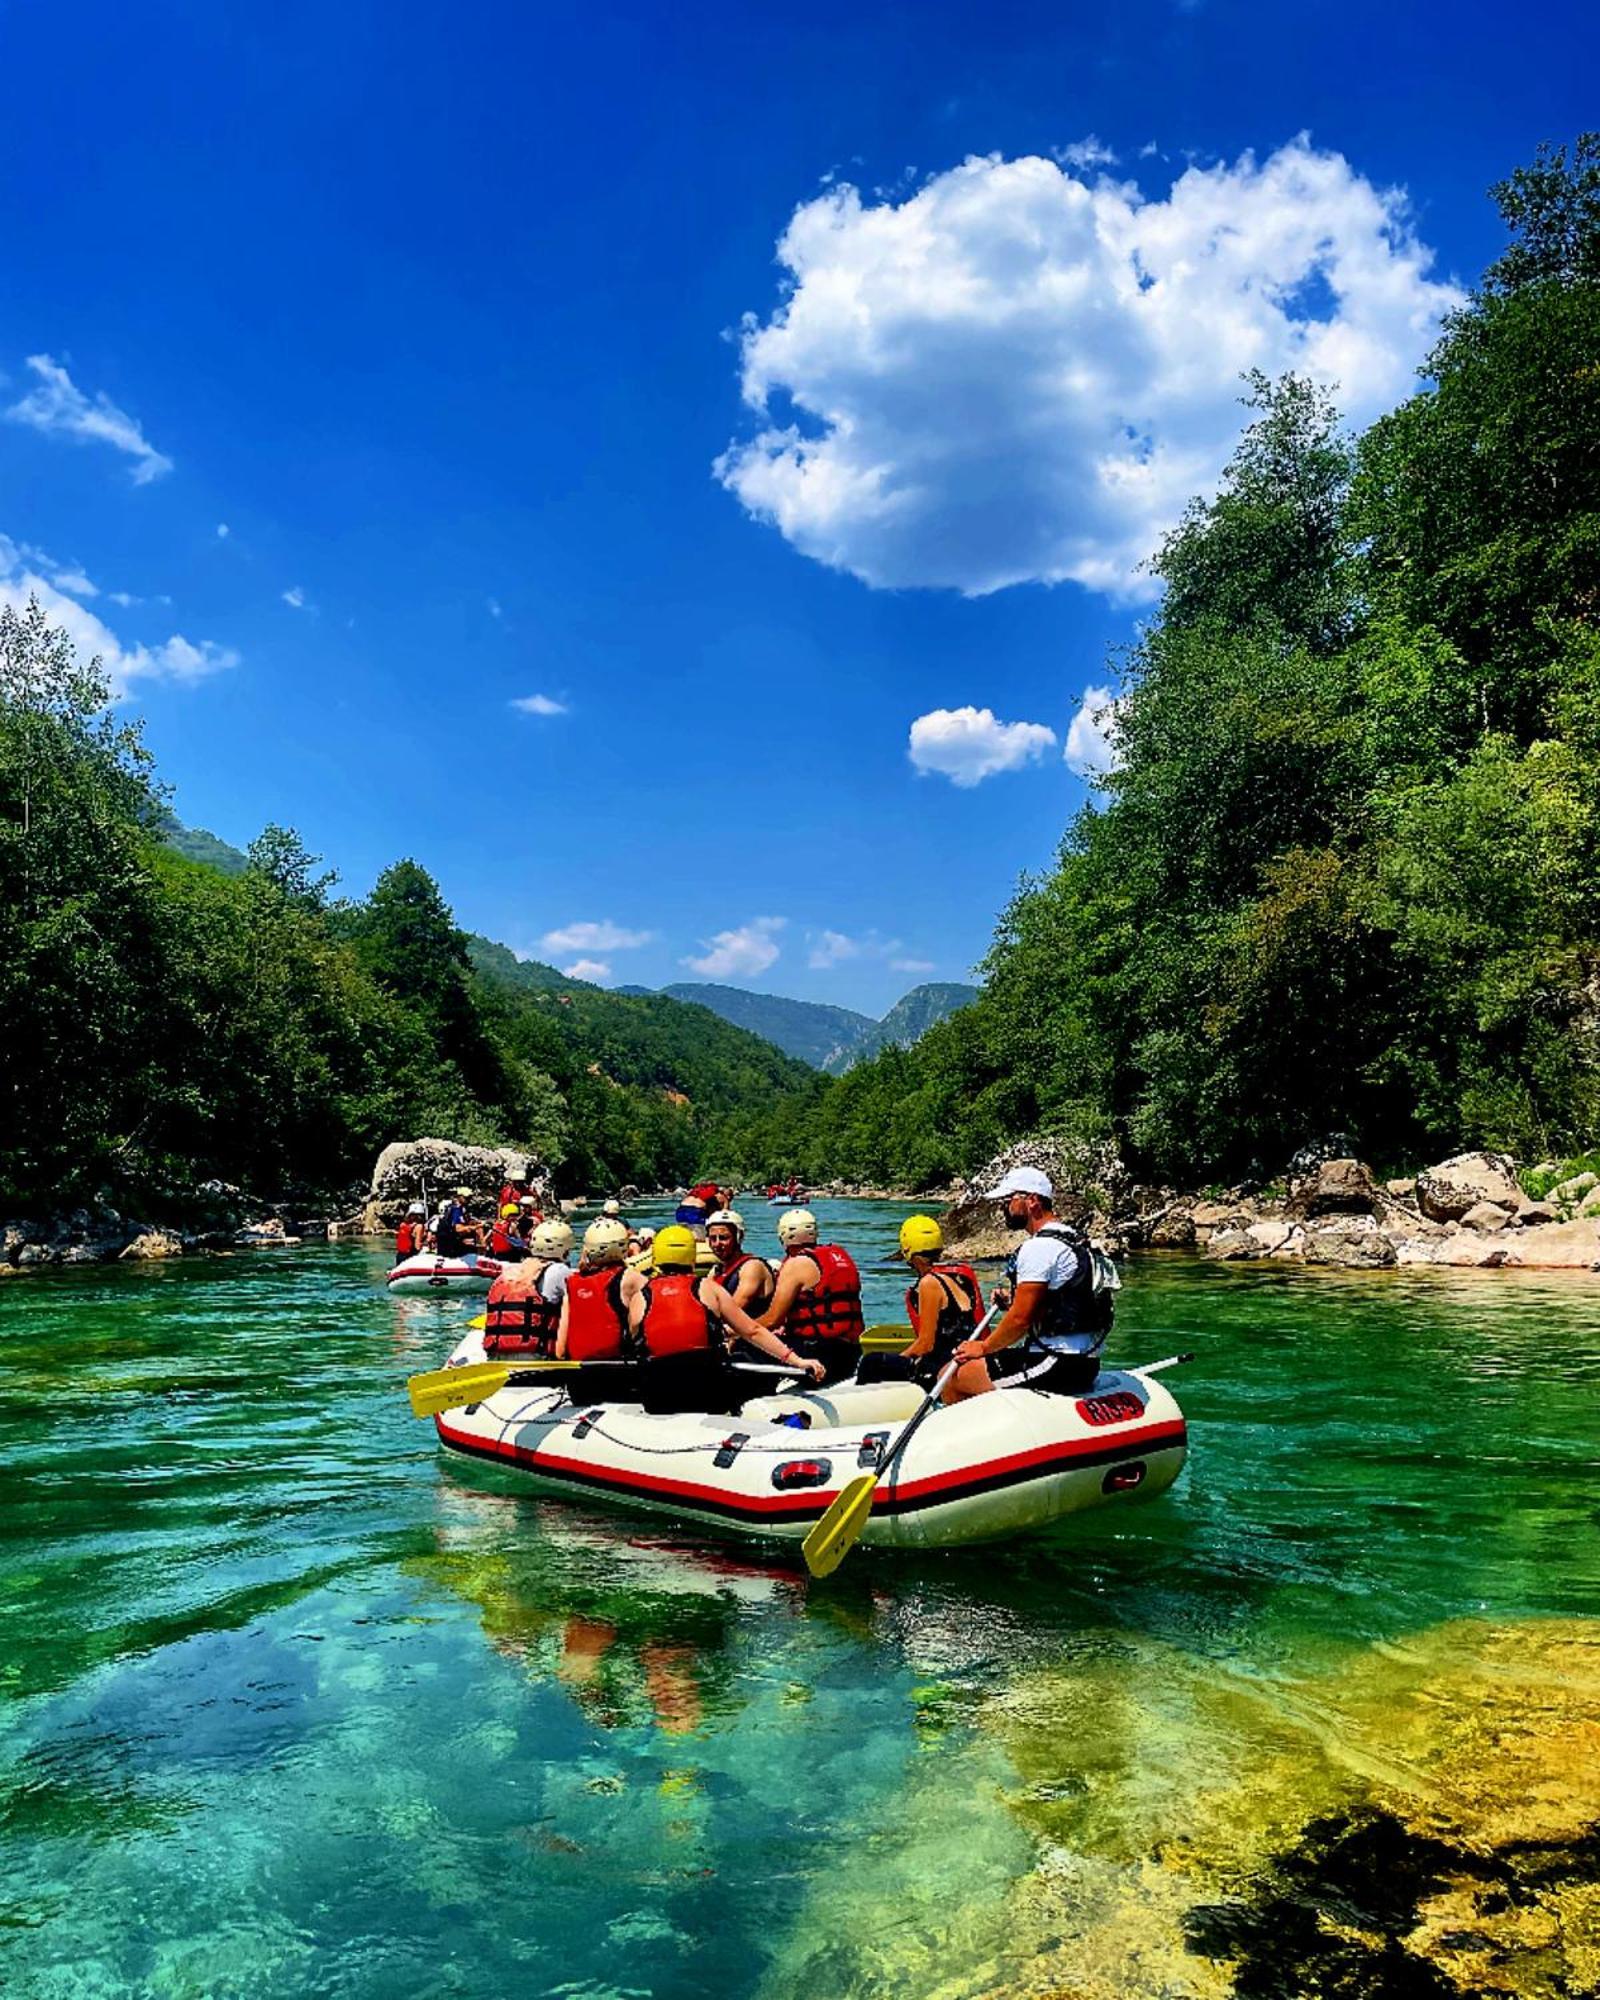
(425, 1169)
(1352, 1241)
(152, 1245)
(1090, 1183)
(1447, 1191)
(1334, 1187)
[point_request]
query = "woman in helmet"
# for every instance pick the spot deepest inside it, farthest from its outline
(944, 1301)
(594, 1315)
(682, 1320)
(410, 1237)
(817, 1297)
(745, 1277)
(522, 1314)
(505, 1241)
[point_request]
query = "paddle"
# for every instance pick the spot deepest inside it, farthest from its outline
(888, 1338)
(443, 1389)
(837, 1533)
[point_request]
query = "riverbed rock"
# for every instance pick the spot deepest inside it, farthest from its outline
(1334, 1187)
(1532, 1214)
(1351, 1241)
(1568, 1193)
(1090, 1183)
(153, 1244)
(1173, 1230)
(1486, 1218)
(1448, 1190)
(1403, 1188)
(406, 1168)
(1270, 1236)
(1471, 1250)
(1558, 1246)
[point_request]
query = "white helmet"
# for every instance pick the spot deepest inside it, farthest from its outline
(605, 1241)
(797, 1225)
(416, 1208)
(730, 1216)
(551, 1239)
(612, 1207)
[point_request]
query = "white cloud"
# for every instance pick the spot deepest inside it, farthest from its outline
(495, 608)
(603, 936)
(175, 659)
(59, 408)
(539, 704)
(1091, 739)
(967, 745)
(1011, 375)
(223, 531)
(76, 584)
(295, 598)
(741, 953)
(593, 969)
(911, 965)
(1090, 151)
(832, 948)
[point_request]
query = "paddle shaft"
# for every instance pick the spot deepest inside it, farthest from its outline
(1155, 1367)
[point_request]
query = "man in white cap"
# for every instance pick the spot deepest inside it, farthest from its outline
(1048, 1337)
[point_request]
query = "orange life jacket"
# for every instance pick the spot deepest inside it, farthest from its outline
(407, 1240)
(503, 1244)
(597, 1320)
(518, 1318)
(832, 1311)
(957, 1318)
(675, 1322)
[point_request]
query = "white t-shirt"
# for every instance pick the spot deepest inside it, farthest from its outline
(1046, 1260)
(553, 1283)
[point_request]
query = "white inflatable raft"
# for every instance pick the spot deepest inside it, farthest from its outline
(996, 1466)
(471, 1273)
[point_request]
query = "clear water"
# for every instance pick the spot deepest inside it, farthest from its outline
(295, 1707)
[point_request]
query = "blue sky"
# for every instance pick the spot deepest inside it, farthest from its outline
(441, 314)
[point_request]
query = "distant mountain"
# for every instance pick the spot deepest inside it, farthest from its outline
(828, 1038)
(817, 1034)
(909, 1019)
(196, 844)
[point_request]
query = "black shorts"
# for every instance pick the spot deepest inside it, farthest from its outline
(839, 1358)
(1024, 1367)
(680, 1384)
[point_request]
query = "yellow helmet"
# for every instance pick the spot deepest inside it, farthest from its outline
(797, 1225)
(674, 1248)
(509, 1209)
(605, 1241)
(920, 1236)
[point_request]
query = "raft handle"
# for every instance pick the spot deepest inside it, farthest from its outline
(730, 1448)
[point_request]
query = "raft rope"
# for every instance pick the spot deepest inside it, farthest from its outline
(687, 1450)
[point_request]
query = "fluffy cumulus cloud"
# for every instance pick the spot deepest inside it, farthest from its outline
(595, 970)
(1092, 736)
(739, 954)
(1019, 374)
(59, 408)
(539, 704)
(28, 573)
(967, 745)
(603, 936)
(826, 949)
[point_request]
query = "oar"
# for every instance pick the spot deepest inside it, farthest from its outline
(837, 1533)
(453, 1388)
(888, 1338)
(1155, 1367)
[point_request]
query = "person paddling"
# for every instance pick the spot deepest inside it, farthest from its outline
(746, 1278)
(455, 1233)
(682, 1320)
(1048, 1338)
(817, 1297)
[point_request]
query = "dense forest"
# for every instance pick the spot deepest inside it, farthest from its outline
(1346, 874)
(173, 1016)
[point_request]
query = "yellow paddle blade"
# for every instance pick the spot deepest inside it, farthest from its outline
(478, 1323)
(887, 1339)
(451, 1388)
(837, 1533)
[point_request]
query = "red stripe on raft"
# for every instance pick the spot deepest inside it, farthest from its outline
(1157, 1437)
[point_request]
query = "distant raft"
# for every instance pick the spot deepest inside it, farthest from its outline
(984, 1470)
(471, 1273)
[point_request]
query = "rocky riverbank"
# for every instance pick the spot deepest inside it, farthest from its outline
(1469, 1211)
(216, 1217)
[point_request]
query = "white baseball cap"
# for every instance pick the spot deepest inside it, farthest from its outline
(1022, 1180)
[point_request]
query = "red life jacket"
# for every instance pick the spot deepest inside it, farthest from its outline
(407, 1240)
(956, 1319)
(727, 1275)
(597, 1320)
(675, 1322)
(503, 1244)
(833, 1310)
(519, 1319)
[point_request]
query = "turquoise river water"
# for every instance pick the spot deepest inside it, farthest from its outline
(293, 1706)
